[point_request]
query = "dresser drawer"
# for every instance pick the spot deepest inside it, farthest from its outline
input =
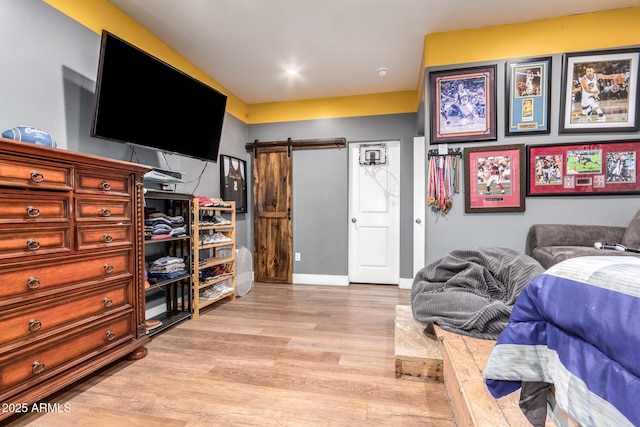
(20, 242)
(34, 174)
(54, 356)
(33, 207)
(41, 319)
(49, 277)
(102, 209)
(102, 182)
(103, 236)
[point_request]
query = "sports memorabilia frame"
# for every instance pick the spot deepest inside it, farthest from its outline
(600, 91)
(596, 168)
(528, 83)
(233, 181)
(463, 105)
(494, 179)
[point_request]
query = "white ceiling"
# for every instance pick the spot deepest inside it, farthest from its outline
(337, 45)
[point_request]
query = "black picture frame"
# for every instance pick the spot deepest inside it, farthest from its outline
(615, 95)
(583, 169)
(463, 105)
(233, 181)
(528, 96)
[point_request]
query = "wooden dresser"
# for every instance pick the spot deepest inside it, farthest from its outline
(71, 268)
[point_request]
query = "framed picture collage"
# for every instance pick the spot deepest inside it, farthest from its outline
(599, 94)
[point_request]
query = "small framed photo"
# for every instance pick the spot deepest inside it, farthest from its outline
(583, 169)
(463, 105)
(494, 179)
(600, 91)
(233, 181)
(527, 96)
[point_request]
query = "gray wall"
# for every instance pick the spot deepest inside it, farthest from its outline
(49, 83)
(458, 229)
(321, 187)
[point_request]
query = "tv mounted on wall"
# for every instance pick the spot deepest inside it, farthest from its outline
(144, 101)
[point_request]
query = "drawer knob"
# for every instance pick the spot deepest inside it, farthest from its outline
(33, 212)
(106, 212)
(108, 269)
(110, 336)
(37, 367)
(108, 302)
(107, 238)
(33, 283)
(36, 177)
(33, 245)
(34, 325)
(105, 186)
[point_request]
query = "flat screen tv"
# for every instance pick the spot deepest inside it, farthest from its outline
(144, 101)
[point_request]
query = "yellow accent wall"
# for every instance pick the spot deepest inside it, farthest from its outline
(347, 106)
(613, 28)
(574, 33)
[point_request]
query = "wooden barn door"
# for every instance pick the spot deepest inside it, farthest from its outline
(273, 233)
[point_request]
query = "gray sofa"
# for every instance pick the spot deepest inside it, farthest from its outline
(551, 243)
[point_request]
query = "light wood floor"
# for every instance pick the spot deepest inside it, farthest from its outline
(282, 355)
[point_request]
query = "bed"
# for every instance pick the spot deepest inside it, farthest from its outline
(574, 336)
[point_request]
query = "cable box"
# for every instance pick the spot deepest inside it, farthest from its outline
(174, 174)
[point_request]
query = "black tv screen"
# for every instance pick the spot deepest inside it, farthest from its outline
(144, 101)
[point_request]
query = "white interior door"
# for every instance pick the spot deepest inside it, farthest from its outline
(419, 202)
(374, 213)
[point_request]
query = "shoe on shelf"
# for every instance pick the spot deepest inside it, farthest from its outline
(152, 324)
(221, 203)
(219, 220)
(204, 201)
(218, 237)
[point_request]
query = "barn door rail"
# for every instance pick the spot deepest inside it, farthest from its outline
(297, 144)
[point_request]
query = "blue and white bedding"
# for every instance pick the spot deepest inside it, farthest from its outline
(576, 326)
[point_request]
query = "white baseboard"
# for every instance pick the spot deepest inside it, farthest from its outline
(320, 279)
(333, 280)
(405, 283)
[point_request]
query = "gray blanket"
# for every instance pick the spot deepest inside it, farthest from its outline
(472, 291)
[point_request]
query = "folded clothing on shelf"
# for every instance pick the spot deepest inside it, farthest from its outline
(158, 225)
(166, 268)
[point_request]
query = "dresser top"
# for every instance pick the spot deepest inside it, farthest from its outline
(37, 152)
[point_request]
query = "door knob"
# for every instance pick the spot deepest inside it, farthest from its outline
(353, 220)
(418, 221)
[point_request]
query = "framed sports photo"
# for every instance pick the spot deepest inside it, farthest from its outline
(494, 179)
(528, 82)
(583, 169)
(463, 105)
(600, 91)
(233, 181)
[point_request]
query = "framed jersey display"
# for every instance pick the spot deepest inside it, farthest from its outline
(463, 105)
(233, 181)
(527, 96)
(600, 91)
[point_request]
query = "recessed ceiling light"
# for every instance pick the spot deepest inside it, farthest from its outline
(292, 71)
(382, 71)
